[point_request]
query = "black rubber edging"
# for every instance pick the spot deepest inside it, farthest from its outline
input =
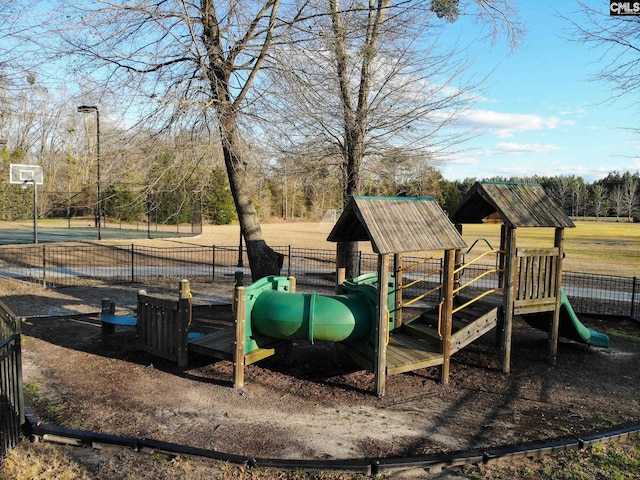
(435, 462)
(366, 466)
(88, 438)
(610, 436)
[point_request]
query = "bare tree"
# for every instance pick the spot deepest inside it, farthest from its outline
(562, 193)
(599, 201)
(371, 82)
(617, 197)
(615, 41)
(630, 195)
(185, 63)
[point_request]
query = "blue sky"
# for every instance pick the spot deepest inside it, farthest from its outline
(540, 114)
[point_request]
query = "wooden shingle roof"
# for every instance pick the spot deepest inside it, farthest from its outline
(396, 225)
(518, 204)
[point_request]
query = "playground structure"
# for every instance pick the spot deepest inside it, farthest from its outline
(372, 321)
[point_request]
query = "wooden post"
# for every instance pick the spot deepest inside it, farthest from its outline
(141, 324)
(502, 260)
(184, 320)
(382, 324)
(508, 293)
(184, 289)
(553, 331)
(107, 308)
(238, 350)
(397, 272)
(502, 257)
(446, 313)
(457, 261)
(341, 276)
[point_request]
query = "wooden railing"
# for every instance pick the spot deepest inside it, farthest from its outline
(536, 283)
(163, 325)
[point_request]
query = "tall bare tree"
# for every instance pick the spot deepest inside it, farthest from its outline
(194, 63)
(630, 195)
(372, 80)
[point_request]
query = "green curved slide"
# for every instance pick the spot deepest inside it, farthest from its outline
(570, 325)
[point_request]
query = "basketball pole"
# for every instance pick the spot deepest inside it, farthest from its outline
(35, 212)
(35, 207)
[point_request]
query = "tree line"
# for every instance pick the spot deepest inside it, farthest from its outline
(164, 180)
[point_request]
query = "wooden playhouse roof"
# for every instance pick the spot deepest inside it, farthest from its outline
(396, 225)
(518, 204)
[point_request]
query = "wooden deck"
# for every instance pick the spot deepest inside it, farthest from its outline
(220, 345)
(406, 353)
(415, 346)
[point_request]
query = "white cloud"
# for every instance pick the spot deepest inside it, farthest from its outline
(519, 148)
(464, 160)
(506, 124)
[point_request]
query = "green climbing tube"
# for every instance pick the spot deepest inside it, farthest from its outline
(309, 316)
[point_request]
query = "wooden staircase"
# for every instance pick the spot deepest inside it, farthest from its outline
(467, 326)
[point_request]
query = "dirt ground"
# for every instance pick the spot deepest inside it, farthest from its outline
(318, 406)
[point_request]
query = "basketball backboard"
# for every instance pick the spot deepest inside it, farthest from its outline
(26, 174)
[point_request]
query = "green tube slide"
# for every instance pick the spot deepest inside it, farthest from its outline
(309, 316)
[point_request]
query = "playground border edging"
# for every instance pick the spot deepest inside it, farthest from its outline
(366, 466)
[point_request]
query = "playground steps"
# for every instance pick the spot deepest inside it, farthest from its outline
(468, 324)
(220, 345)
(474, 330)
(406, 353)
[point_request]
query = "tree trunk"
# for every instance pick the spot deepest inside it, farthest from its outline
(263, 260)
(348, 257)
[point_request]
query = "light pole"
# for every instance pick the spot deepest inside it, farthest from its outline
(89, 109)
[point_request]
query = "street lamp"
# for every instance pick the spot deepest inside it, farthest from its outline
(90, 109)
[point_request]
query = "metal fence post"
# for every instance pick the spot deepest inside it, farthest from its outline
(44, 266)
(213, 263)
(133, 272)
(633, 296)
(289, 263)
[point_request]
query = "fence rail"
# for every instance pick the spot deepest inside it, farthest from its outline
(55, 265)
(11, 395)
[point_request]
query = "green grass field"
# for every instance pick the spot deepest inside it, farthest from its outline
(607, 248)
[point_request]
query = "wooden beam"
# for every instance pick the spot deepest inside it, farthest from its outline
(397, 273)
(341, 276)
(239, 325)
(185, 316)
(510, 275)
(458, 261)
(382, 324)
(446, 313)
(553, 331)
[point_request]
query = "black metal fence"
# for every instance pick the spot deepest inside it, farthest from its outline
(11, 396)
(55, 265)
